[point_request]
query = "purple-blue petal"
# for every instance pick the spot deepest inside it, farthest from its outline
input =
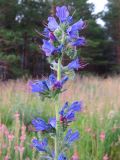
(77, 26)
(74, 64)
(52, 23)
(45, 142)
(70, 116)
(46, 85)
(52, 79)
(65, 79)
(48, 48)
(73, 137)
(69, 133)
(70, 19)
(46, 32)
(63, 109)
(40, 125)
(59, 48)
(39, 86)
(52, 37)
(72, 34)
(52, 122)
(57, 85)
(76, 106)
(79, 42)
(62, 13)
(40, 145)
(62, 157)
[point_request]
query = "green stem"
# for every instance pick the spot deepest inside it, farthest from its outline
(59, 70)
(57, 113)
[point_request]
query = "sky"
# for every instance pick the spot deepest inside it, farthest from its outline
(99, 6)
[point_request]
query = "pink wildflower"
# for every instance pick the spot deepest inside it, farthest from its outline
(75, 156)
(23, 128)
(88, 130)
(22, 138)
(10, 137)
(6, 132)
(105, 157)
(102, 136)
(21, 149)
(3, 128)
(16, 148)
(4, 145)
(17, 115)
(6, 157)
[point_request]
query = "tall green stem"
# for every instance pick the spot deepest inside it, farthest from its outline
(57, 113)
(59, 70)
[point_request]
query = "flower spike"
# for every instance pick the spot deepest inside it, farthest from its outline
(62, 38)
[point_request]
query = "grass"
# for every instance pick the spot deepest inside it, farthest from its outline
(99, 123)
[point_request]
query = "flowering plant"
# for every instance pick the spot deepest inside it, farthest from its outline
(61, 37)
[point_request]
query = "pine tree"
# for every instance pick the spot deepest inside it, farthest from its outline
(18, 21)
(112, 19)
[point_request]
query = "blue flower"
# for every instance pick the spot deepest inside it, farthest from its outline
(39, 86)
(62, 157)
(71, 137)
(48, 48)
(52, 79)
(52, 37)
(70, 19)
(73, 35)
(41, 125)
(52, 23)
(76, 26)
(59, 48)
(67, 113)
(76, 106)
(79, 42)
(46, 32)
(62, 13)
(65, 79)
(57, 84)
(48, 85)
(74, 64)
(52, 122)
(40, 145)
(73, 31)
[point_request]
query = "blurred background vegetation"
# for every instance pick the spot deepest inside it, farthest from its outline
(20, 53)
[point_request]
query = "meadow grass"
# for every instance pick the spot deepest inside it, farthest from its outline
(98, 123)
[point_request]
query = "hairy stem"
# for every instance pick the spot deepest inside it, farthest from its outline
(57, 113)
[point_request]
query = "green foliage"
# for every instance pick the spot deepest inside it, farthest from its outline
(18, 21)
(14, 63)
(112, 19)
(12, 59)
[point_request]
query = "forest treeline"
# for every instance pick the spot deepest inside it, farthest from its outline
(20, 41)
